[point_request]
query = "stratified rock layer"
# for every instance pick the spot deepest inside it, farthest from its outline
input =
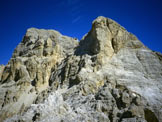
(109, 76)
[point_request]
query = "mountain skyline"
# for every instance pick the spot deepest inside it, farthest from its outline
(74, 17)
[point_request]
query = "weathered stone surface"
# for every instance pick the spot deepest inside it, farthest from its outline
(1, 70)
(27, 73)
(109, 76)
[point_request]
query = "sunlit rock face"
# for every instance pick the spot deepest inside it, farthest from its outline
(107, 76)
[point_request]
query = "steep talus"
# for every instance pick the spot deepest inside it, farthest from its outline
(109, 76)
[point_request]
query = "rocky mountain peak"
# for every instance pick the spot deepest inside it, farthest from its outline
(107, 76)
(42, 42)
(106, 38)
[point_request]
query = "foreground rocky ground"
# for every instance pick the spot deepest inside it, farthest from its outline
(109, 76)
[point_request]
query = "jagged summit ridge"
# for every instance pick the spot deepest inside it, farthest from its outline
(108, 76)
(106, 38)
(41, 42)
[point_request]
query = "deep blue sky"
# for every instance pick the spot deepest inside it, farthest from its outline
(74, 17)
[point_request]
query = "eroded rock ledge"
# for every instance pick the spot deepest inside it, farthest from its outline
(109, 76)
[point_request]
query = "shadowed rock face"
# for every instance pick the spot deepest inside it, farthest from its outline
(109, 76)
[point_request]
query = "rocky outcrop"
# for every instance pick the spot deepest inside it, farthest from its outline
(28, 72)
(109, 76)
(1, 70)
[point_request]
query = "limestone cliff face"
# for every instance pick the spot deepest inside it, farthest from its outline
(109, 76)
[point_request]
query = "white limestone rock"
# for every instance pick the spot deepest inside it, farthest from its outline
(108, 76)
